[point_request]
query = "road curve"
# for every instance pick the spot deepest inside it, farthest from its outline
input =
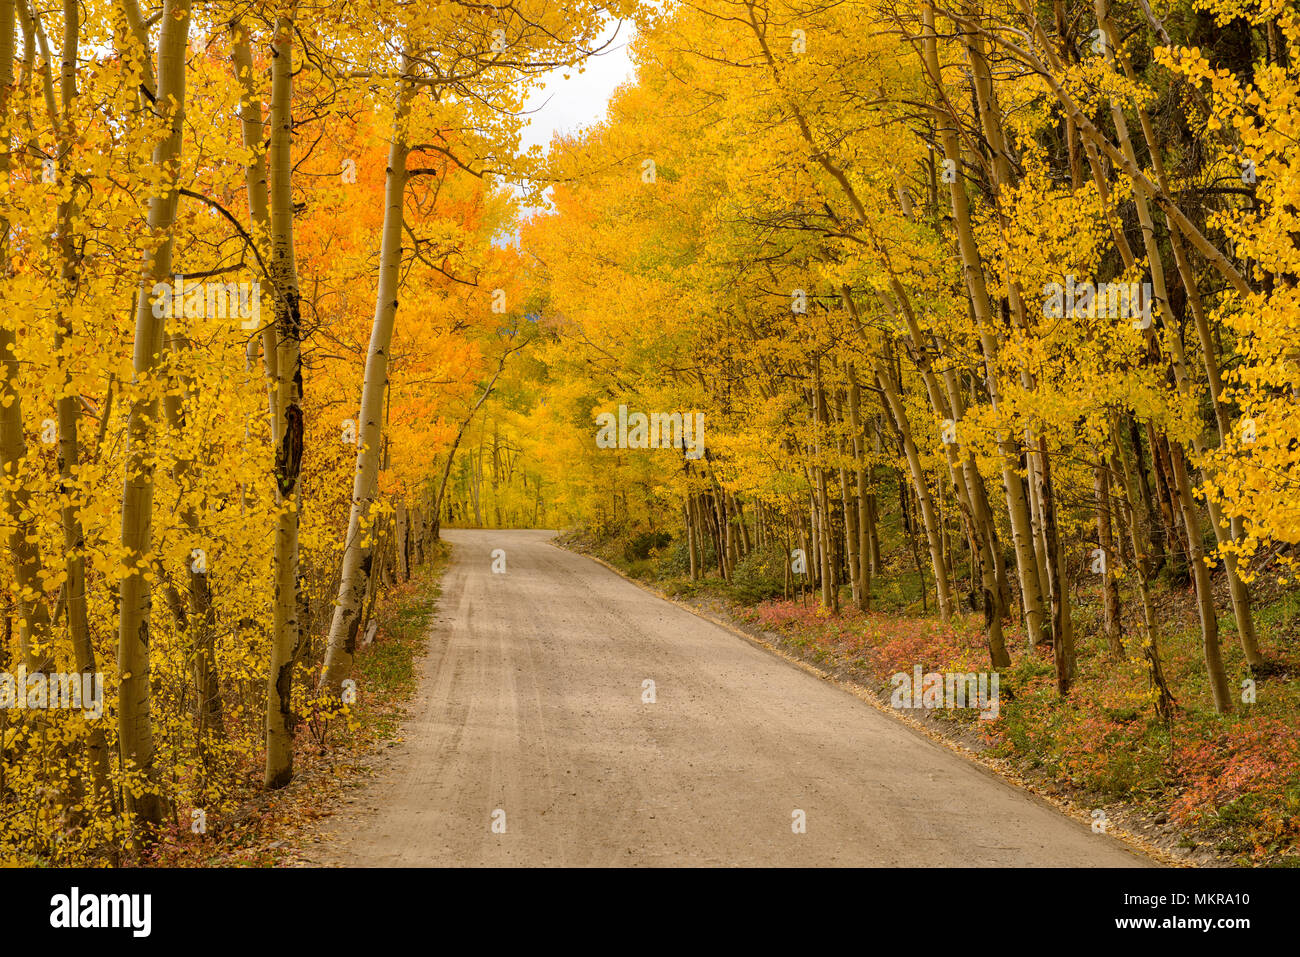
(529, 714)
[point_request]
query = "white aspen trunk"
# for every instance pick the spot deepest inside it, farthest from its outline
(863, 570)
(929, 520)
(134, 724)
(978, 524)
(357, 554)
(1021, 529)
(255, 185)
(33, 614)
(403, 552)
(286, 633)
(69, 449)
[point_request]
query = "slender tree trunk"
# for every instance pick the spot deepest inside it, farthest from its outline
(1223, 532)
(1149, 516)
(1204, 595)
(1062, 628)
(829, 596)
(401, 541)
(863, 552)
(74, 587)
(929, 521)
(356, 555)
(873, 529)
(1141, 564)
(691, 546)
(252, 129)
(286, 633)
(135, 726)
(972, 268)
(1040, 498)
(34, 621)
(1106, 542)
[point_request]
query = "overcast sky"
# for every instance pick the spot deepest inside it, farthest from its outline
(565, 105)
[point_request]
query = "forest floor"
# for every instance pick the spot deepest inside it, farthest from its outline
(1207, 790)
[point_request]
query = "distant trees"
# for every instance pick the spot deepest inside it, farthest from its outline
(893, 247)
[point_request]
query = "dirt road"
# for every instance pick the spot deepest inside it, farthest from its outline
(530, 715)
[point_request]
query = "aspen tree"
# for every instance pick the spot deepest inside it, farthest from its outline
(1183, 487)
(285, 631)
(69, 454)
(199, 620)
(1022, 534)
(135, 729)
(1223, 531)
(34, 626)
(341, 646)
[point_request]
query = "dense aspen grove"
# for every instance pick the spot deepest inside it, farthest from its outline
(998, 297)
(254, 282)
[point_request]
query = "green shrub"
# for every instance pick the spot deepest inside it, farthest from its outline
(639, 546)
(675, 560)
(758, 576)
